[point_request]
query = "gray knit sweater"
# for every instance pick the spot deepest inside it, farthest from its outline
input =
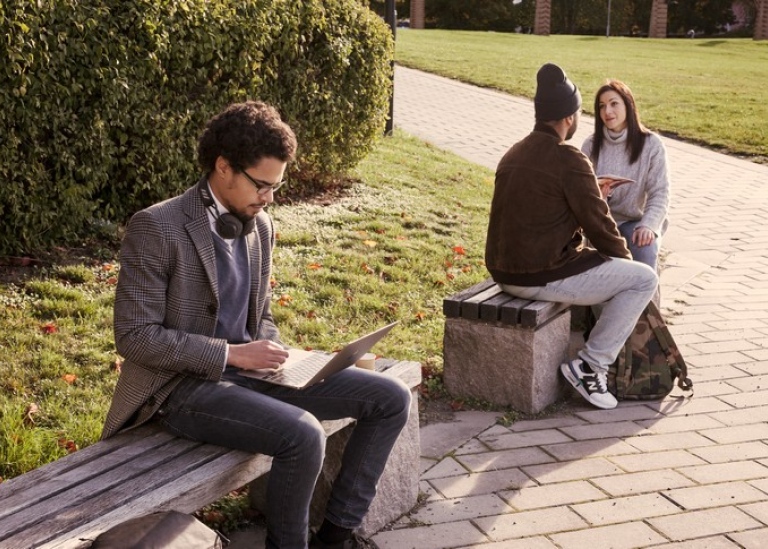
(647, 199)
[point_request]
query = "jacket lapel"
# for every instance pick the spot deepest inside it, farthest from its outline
(199, 229)
(255, 252)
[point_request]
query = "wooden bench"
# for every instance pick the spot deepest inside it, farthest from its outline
(67, 503)
(503, 349)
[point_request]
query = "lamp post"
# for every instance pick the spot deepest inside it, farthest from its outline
(391, 19)
(608, 23)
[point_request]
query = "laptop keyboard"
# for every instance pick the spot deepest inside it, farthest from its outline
(301, 371)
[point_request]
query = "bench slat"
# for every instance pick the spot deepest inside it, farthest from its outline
(187, 493)
(539, 312)
(490, 310)
(35, 489)
(470, 307)
(77, 502)
(487, 302)
(452, 305)
(511, 311)
(53, 469)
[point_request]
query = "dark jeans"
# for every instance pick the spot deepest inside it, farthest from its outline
(257, 417)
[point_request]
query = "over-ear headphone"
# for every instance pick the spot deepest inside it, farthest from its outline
(227, 225)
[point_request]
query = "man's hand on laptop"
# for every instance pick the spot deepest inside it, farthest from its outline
(257, 355)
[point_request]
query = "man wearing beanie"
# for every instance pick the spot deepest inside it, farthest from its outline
(546, 202)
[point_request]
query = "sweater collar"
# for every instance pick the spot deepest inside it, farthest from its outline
(615, 137)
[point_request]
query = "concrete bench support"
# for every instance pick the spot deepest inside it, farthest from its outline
(503, 349)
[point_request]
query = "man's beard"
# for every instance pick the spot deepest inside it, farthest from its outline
(572, 129)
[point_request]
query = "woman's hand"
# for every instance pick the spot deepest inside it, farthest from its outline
(643, 236)
(607, 184)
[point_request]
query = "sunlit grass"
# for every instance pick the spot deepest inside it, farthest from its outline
(409, 232)
(711, 91)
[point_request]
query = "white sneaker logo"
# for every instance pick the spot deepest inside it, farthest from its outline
(593, 387)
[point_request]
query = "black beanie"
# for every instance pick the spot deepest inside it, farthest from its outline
(556, 96)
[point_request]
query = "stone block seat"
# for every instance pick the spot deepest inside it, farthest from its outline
(504, 350)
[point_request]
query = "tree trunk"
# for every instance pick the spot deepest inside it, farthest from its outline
(543, 17)
(417, 14)
(761, 21)
(658, 27)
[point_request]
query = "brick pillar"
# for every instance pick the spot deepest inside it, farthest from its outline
(543, 17)
(417, 14)
(658, 27)
(761, 21)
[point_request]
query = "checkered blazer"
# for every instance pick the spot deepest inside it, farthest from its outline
(167, 302)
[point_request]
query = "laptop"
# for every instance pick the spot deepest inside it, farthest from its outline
(305, 368)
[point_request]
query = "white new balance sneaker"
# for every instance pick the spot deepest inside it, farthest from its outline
(590, 384)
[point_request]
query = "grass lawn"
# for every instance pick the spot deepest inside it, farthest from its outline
(710, 91)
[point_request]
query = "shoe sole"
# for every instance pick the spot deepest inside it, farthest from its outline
(575, 382)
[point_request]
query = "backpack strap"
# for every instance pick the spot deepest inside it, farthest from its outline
(675, 360)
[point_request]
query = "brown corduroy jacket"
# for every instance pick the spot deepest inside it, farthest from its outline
(167, 301)
(545, 201)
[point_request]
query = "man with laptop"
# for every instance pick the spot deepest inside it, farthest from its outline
(192, 315)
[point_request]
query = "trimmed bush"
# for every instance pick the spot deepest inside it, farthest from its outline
(104, 99)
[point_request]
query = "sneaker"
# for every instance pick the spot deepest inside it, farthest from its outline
(590, 384)
(354, 542)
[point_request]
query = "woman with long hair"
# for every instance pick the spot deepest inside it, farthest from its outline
(624, 148)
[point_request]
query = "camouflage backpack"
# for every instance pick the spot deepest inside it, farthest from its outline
(650, 364)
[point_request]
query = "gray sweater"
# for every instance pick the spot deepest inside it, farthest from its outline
(647, 199)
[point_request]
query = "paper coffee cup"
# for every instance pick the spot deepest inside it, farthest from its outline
(367, 361)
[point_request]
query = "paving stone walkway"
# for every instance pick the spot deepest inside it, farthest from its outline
(687, 474)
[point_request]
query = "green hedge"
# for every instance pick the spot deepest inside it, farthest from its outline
(103, 100)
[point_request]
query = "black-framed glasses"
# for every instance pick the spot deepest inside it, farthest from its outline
(262, 187)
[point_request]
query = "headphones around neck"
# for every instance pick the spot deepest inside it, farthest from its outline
(227, 225)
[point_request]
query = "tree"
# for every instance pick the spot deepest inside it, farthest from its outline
(701, 15)
(496, 15)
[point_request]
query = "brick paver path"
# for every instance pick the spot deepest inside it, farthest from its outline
(687, 474)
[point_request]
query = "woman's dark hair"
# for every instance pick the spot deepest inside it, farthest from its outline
(636, 131)
(244, 133)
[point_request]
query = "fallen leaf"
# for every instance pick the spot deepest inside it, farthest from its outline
(29, 414)
(420, 315)
(69, 445)
(370, 243)
(459, 250)
(314, 266)
(284, 300)
(69, 378)
(367, 268)
(49, 328)
(112, 280)
(457, 405)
